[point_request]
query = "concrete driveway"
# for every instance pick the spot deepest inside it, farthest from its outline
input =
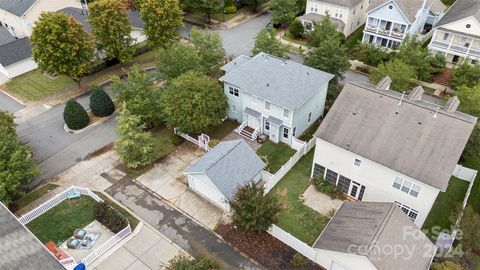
(9, 104)
(167, 180)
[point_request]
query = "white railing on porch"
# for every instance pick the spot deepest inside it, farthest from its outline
(241, 127)
(255, 134)
(272, 179)
(96, 253)
(44, 207)
(201, 141)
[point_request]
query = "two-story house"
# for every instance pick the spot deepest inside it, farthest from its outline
(457, 34)
(389, 22)
(19, 16)
(383, 146)
(274, 96)
(346, 15)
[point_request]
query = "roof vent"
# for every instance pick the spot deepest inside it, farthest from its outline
(384, 84)
(268, 84)
(416, 93)
(452, 104)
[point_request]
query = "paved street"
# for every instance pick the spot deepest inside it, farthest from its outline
(8, 104)
(57, 150)
(184, 232)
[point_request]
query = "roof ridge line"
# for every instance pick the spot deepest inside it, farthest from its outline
(382, 227)
(224, 155)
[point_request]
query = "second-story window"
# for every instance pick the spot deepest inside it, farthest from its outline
(445, 36)
(338, 13)
(314, 8)
(286, 113)
(406, 186)
(326, 10)
(267, 105)
(233, 91)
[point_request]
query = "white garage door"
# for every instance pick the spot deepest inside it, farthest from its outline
(208, 192)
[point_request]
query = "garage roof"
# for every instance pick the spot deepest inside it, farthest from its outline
(229, 165)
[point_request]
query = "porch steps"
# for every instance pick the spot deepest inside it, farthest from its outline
(444, 78)
(247, 132)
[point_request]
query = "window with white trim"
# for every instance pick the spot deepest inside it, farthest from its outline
(233, 91)
(410, 212)
(314, 7)
(267, 125)
(286, 113)
(285, 132)
(445, 36)
(294, 132)
(309, 117)
(406, 186)
(338, 13)
(267, 105)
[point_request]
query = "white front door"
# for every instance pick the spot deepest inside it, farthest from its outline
(253, 122)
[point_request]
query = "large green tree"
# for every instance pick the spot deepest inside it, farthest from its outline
(176, 59)
(466, 75)
(193, 102)
(162, 20)
(254, 3)
(330, 56)
(324, 30)
(470, 100)
(399, 72)
(17, 167)
(61, 46)
(111, 29)
(207, 7)
(283, 11)
(253, 211)
(140, 95)
(199, 263)
(209, 46)
(266, 42)
(370, 54)
(134, 145)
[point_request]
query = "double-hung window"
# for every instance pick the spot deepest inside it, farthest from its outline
(338, 13)
(406, 186)
(233, 91)
(314, 7)
(285, 132)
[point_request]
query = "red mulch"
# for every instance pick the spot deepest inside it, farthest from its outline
(268, 251)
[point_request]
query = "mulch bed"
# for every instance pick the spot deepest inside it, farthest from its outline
(270, 252)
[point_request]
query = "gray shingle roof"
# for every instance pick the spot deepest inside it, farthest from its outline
(252, 112)
(16, 7)
(409, 8)
(314, 17)
(343, 3)
(15, 51)
(81, 17)
(240, 60)
(229, 165)
(5, 36)
(282, 82)
(19, 249)
(370, 228)
(461, 9)
(406, 138)
(436, 6)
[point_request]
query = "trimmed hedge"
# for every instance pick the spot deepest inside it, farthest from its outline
(100, 102)
(109, 217)
(75, 115)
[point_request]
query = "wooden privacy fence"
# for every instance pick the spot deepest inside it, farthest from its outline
(272, 179)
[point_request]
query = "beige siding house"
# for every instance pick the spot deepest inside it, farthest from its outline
(19, 16)
(346, 15)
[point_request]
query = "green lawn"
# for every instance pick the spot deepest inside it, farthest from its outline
(445, 206)
(474, 199)
(298, 219)
(277, 154)
(34, 195)
(34, 86)
(219, 132)
(289, 37)
(58, 223)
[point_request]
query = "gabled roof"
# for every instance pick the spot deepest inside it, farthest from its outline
(238, 61)
(343, 3)
(282, 82)
(229, 165)
(371, 229)
(461, 9)
(417, 138)
(17, 7)
(81, 16)
(16, 51)
(409, 8)
(19, 249)
(5, 36)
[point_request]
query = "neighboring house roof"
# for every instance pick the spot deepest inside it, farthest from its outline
(282, 82)
(436, 6)
(229, 165)
(17, 7)
(417, 138)
(314, 17)
(461, 9)
(372, 229)
(19, 249)
(344, 3)
(409, 8)
(5, 36)
(81, 16)
(15, 51)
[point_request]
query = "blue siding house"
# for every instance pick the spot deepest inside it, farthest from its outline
(273, 96)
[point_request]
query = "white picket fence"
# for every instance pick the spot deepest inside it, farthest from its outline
(68, 263)
(44, 207)
(293, 242)
(272, 179)
(202, 140)
(96, 253)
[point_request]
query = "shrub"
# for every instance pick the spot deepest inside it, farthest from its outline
(100, 102)
(75, 115)
(110, 217)
(327, 188)
(297, 260)
(296, 29)
(185, 263)
(370, 54)
(230, 9)
(447, 265)
(213, 143)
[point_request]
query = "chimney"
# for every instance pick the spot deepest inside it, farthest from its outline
(452, 104)
(416, 93)
(384, 84)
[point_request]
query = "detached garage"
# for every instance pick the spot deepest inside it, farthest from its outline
(222, 170)
(16, 58)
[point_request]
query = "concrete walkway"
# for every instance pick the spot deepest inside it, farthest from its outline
(184, 232)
